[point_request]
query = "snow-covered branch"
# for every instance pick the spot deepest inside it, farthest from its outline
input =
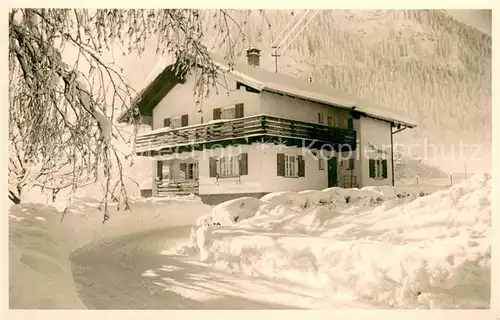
(63, 128)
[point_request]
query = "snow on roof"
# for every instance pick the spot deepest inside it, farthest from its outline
(160, 65)
(154, 132)
(280, 83)
(265, 80)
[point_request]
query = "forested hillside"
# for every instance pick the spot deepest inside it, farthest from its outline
(422, 63)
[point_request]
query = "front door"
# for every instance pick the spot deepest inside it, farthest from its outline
(332, 172)
(159, 170)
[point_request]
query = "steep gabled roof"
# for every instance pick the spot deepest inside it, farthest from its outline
(149, 97)
(263, 80)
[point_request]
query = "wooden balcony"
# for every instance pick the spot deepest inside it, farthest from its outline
(260, 128)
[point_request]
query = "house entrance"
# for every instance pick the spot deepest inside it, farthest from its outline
(332, 172)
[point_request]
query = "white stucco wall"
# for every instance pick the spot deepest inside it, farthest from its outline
(377, 133)
(180, 100)
(250, 183)
(298, 109)
(262, 175)
(314, 179)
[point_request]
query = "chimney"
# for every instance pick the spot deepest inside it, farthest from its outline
(253, 57)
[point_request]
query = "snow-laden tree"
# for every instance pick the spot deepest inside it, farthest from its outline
(63, 130)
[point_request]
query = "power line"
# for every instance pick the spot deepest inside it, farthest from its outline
(293, 29)
(276, 47)
(310, 19)
(284, 29)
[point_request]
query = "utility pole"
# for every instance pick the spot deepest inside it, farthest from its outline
(275, 55)
(286, 45)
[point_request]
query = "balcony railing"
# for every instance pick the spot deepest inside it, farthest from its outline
(260, 128)
(177, 186)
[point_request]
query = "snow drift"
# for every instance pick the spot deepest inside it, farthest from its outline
(40, 273)
(400, 248)
(40, 244)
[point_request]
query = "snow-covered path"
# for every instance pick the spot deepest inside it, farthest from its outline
(112, 276)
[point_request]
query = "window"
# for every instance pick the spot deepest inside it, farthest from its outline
(290, 165)
(188, 171)
(330, 121)
(176, 122)
(321, 118)
(192, 171)
(228, 167)
(231, 166)
(378, 168)
(321, 164)
(290, 169)
(228, 112)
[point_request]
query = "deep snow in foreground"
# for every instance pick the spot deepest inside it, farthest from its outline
(400, 249)
(403, 247)
(40, 244)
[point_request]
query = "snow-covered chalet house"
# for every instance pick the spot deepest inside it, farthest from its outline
(270, 133)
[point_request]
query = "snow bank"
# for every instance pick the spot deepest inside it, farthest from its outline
(236, 210)
(40, 271)
(40, 244)
(366, 196)
(400, 248)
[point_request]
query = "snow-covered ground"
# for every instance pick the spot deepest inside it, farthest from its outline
(405, 247)
(392, 248)
(40, 244)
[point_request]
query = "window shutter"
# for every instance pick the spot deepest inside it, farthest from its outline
(159, 169)
(384, 169)
(280, 161)
(372, 168)
(166, 122)
(350, 123)
(302, 166)
(243, 164)
(184, 120)
(351, 164)
(216, 114)
(239, 113)
(212, 167)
